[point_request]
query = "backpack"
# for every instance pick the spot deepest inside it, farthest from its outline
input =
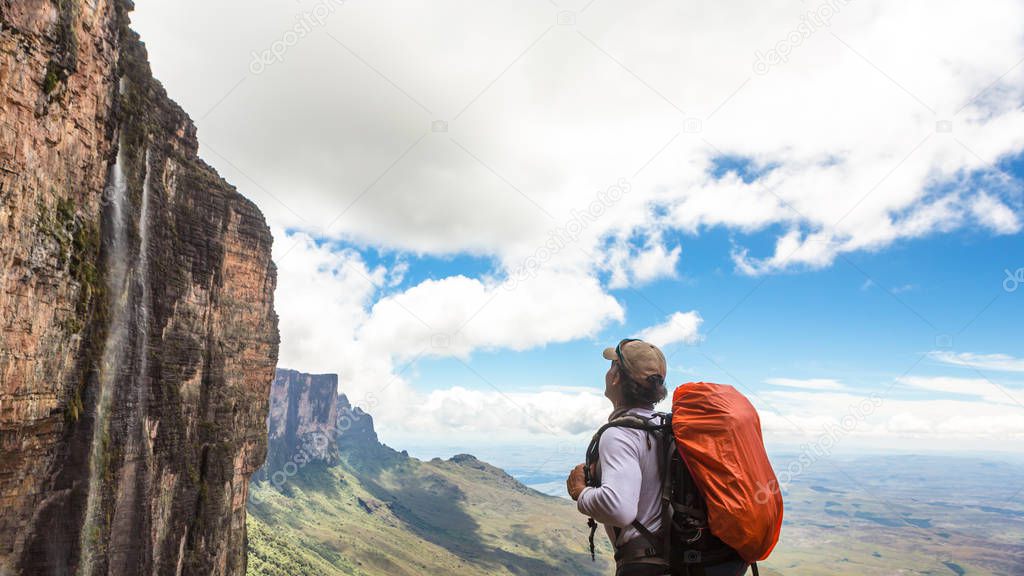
(722, 500)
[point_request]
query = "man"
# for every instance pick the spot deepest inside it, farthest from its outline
(628, 501)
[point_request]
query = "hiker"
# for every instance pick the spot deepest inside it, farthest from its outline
(624, 491)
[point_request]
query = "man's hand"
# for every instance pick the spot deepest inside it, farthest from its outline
(576, 482)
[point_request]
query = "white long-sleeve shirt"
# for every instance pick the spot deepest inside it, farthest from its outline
(630, 472)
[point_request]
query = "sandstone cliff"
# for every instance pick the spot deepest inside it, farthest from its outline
(310, 422)
(303, 411)
(137, 333)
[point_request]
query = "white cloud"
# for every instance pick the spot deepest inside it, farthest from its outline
(813, 251)
(455, 315)
(994, 214)
(983, 388)
(788, 417)
(552, 413)
(322, 298)
(851, 420)
(679, 327)
(539, 118)
(337, 316)
(807, 383)
(909, 423)
(631, 266)
(999, 362)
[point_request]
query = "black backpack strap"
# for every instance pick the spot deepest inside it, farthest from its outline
(657, 422)
(653, 549)
(667, 479)
(593, 528)
(654, 423)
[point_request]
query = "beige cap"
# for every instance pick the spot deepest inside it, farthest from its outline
(640, 360)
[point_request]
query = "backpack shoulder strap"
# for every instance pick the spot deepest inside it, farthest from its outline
(657, 423)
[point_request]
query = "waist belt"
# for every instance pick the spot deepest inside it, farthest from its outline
(639, 551)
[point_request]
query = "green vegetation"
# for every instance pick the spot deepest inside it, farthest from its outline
(78, 248)
(284, 552)
(52, 78)
(383, 513)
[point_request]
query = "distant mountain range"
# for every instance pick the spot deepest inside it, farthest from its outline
(333, 500)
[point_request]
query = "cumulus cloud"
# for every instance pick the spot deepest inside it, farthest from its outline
(455, 315)
(637, 265)
(339, 314)
(994, 214)
(323, 295)
(447, 138)
(813, 251)
(788, 416)
(441, 128)
(679, 327)
(555, 413)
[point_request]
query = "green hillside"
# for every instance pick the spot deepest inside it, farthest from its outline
(381, 512)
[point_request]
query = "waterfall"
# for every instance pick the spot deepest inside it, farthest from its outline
(135, 464)
(124, 359)
(142, 311)
(115, 198)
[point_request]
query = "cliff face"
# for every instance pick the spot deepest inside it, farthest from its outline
(303, 411)
(310, 422)
(137, 333)
(354, 427)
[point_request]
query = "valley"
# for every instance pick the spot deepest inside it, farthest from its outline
(333, 499)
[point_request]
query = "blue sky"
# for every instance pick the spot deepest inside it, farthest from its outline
(865, 321)
(465, 215)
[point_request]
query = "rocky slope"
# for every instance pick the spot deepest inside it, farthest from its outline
(137, 333)
(358, 507)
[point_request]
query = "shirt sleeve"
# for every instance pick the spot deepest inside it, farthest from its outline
(616, 501)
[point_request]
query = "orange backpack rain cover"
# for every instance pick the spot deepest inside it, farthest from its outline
(718, 434)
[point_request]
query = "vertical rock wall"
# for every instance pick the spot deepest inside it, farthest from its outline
(310, 422)
(303, 414)
(188, 398)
